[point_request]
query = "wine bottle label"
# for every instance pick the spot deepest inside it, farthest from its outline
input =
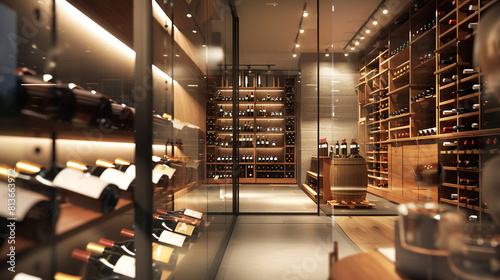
(172, 238)
(192, 213)
(79, 182)
(25, 200)
(117, 177)
(24, 276)
(160, 170)
(130, 170)
(184, 228)
(125, 266)
(162, 253)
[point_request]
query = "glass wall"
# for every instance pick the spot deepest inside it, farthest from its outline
(73, 105)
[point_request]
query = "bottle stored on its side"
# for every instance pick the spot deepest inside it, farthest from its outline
(163, 254)
(162, 236)
(122, 265)
(36, 214)
(77, 187)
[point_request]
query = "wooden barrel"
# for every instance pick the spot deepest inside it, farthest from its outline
(349, 179)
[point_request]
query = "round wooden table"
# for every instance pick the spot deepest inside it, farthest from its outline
(372, 265)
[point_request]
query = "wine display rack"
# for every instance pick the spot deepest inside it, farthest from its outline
(267, 134)
(420, 85)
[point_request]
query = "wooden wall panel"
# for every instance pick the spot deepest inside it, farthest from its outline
(428, 155)
(396, 170)
(410, 160)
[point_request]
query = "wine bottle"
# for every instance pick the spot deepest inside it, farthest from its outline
(36, 214)
(452, 21)
(92, 108)
(469, 71)
(449, 112)
(473, 7)
(39, 99)
(337, 147)
(122, 116)
(161, 253)
(122, 265)
(79, 188)
(106, 172)
(175, 226)
(162, 236)
(343, 148)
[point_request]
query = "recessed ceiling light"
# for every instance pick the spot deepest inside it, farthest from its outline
(272, 4)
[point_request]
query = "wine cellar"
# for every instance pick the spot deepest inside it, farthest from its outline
(422, 100)
(266, 133)
(180, 140)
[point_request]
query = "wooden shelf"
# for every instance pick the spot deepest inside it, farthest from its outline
(310, 192)
(469, 96)
(312, 174)
(398, 90)
(255, 150)
(400, 128)
(423, 35)
(428, 64)
(445, 46)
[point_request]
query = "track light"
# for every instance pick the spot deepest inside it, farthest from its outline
(301, 30)
(297, 45)
(194, 31)
(384, 10)
(362, 37)
(374, 22)
(352, 48)
(327, 54)
(346, 54)
(356, 43)
(294, 55)
(367, 31)
(305, 14)
(189, 15)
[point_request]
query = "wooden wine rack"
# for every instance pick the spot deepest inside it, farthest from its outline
(391, 78)
(282, 171)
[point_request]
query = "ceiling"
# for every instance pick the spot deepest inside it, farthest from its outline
(268, 27)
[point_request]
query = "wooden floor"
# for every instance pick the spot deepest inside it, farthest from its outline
(368, 233)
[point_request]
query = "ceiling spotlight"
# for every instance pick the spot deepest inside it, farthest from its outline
(356, 43)
(189, 15)
(327, 54)
(346, 54)
(375, 22)
(294, 55)
(352, 48)
(194, 31)
(305, 14)
(367, 31)
(203, 45)
(385, 11)
(362, 37)
(301, 30)
(297, 45)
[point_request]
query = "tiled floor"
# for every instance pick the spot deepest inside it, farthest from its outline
(274, 198)
(282, 247)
